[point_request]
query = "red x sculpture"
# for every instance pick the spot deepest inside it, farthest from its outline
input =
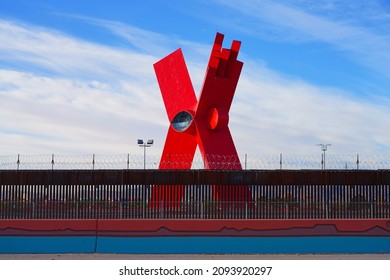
(203, 122)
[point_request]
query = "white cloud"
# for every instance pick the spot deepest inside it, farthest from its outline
(59, 115)
(348, 31)
(291, 116)
(69, 95)
(51, 52)
(78, 97)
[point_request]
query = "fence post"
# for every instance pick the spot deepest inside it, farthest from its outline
(144, 203)
(33, 210)
(357, 162)
(52, 162)
(93, 162)
(326, 210)
(18, 163)
(281, 162)
(287, 209)
(161, 209)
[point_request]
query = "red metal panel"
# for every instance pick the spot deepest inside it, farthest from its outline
(217, 148)
(219, 83)
(184, 227)
(244, 227)
(48, 227)
(175, 84)
(207, 121)
(179, 150)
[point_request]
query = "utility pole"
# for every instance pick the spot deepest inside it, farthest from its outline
(324, 147)
(144, 144)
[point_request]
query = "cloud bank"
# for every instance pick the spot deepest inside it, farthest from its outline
(358, 29)
(60, 94)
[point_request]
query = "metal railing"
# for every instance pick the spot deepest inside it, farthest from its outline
(191, 210)
(199, 194)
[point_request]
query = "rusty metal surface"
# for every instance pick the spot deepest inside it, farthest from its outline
(221, 177)
(274, 194)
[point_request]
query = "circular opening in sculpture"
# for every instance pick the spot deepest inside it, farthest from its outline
(182, 121)
(217, 118)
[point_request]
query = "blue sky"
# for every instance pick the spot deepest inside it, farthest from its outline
(76, 77)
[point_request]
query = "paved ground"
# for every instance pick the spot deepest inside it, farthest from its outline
(192, 257)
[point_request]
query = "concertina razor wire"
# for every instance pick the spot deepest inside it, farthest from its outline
(248, 162)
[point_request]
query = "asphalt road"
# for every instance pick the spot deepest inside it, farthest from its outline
(193, 257)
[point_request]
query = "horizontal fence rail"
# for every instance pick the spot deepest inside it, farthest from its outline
(248, 162)
(125, 194)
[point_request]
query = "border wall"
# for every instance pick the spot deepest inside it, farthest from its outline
(126, 194)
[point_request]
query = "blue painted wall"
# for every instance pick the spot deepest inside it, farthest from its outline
(47, 245)
(195, 245)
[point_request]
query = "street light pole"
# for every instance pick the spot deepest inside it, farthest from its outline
(144, 144)
(324, 147)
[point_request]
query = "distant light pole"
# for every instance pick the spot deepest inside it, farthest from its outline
(324, 147)
(148, 144)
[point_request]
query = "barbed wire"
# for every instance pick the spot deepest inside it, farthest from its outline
(247, 162)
